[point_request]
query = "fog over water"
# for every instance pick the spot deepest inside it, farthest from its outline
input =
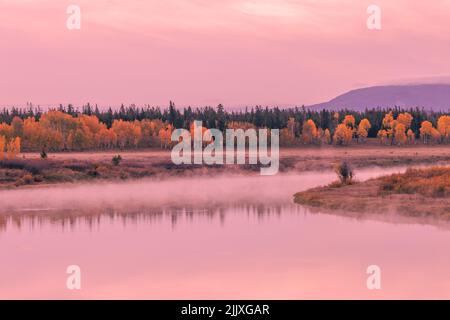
(201, 191)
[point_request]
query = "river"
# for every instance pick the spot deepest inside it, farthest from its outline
(224, 237)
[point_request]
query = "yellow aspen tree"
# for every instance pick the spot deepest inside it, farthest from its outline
(405, 119)
(400, 134)
(425, 131)
(389, 125)
(17, 142)
(443, 126)
(2, 147)
(363, 129)
(309, 132)
(343, 135)
(435, 135)
(382, 135)
(10, 150)
(349, 121)
(411, 136)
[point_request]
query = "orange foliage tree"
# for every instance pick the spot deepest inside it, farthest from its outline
(2, 147)
(343, 135)
(363, 129)
(309, 132)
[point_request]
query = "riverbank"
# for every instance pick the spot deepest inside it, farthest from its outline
(29, 170)
(417, 193)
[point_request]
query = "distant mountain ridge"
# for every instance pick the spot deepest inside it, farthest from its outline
(433, 97)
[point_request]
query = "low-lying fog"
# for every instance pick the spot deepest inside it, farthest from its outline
(202, 191)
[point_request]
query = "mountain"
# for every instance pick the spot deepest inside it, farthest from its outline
(434, 97)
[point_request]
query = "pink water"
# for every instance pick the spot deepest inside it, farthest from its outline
(230, 237)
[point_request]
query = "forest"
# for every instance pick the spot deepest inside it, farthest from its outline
(66, 128)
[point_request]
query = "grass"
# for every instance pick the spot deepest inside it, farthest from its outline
(417, 192)
(433, 182)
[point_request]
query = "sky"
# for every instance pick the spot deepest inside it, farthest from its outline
(206, 52)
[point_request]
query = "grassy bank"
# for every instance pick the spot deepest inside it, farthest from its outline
(30, 170)
(417, 192)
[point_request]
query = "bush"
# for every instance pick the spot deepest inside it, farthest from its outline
(116, 160)
(344, 172)
(28, 179)
(34, 166)
(38, 178)
(80, 166)
(433, 182)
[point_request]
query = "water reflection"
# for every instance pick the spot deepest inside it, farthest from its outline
(69, 219)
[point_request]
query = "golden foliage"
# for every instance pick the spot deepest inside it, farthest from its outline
(363, 129)
(2, 147)
(309, 132)
(433, 182)
(443, 126)
(343, 135)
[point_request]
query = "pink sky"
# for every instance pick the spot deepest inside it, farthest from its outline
(198, 52)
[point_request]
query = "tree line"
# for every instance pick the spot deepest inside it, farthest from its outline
(69, 128)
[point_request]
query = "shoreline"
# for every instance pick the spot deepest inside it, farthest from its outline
(28, 170)
(378, 196)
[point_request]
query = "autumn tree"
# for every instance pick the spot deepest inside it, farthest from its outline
(400, 134)
(363, 129)
(2, 147)
(349, 121)
(107, 138)
(443, 126)
(165, 135)
(128, 133)
(17, 127)
(426, 129)
(309, 132)
(389, 126)
(411, 136)
(405, 119)
(32, 134)
(13, 148)
(382, 136)
(343, 135)
(6, 130)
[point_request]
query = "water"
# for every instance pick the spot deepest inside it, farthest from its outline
(224, 237)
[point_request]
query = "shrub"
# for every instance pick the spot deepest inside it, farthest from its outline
(78, 166)
(434, 182)
(344, 172)
(38, 178)
(28, 179)
(116, 160)
(34, 166)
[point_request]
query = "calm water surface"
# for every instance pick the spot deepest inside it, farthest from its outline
(223, 237)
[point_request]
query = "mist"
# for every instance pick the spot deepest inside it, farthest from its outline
(205, 191)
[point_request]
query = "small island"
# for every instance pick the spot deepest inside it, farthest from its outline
(417, 192)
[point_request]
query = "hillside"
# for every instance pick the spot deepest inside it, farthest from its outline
(434, 97)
